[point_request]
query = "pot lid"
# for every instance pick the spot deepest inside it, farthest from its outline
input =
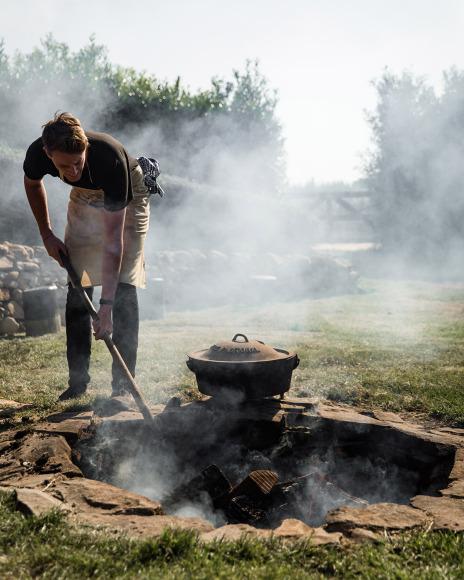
(240, 349)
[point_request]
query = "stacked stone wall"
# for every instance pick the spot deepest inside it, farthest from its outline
(22, 268)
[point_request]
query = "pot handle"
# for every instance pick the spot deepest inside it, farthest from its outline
(242, 335)
(297, 362)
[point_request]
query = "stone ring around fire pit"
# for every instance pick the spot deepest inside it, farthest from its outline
(242, 369)
(295, 465)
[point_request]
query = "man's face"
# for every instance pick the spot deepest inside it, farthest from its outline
(70, 165)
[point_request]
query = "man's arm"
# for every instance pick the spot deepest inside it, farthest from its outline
(113, 224)
(37, 198)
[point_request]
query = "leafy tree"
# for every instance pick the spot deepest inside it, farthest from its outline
(416, 173)
(224, 134)
(231, 116)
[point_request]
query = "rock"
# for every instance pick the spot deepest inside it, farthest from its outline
(88, 495)
(17, 295)
(6, 263)
(234, 532)
(10, 278)
(296, 529)
(447, 512)
(28, 266)
(35, 502)
(38, 453)
(128, 418)
(321, 537)
(27, 280)
(69, 425)
(19, 252)
(15, 310)
(4, 294)
(8, 326)
(384, 516)
(8, 408)
(40, 253)
(455, 489)
(40, 481)
(143, 526)
(458, 468)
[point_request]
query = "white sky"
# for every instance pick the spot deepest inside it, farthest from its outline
(319, 55)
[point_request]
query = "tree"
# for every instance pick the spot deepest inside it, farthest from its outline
(415, 171)
(225, 135)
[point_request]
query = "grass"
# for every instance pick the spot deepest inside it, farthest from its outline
(49, 547)
(397, 346)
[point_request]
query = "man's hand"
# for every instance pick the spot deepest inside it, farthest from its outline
(54, 245)
(104, 324)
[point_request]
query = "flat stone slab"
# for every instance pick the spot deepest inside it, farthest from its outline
(344, 413)
(36, 502)
(143, 526)
(40, 460)
(101, 505)
(83, 416)
(70, 425)
(447, 513)
(129, 418)
(458, 468)
(232, 532)
(6, 263)
(84, 494)
(41, 481)
(296, 529)
(9, 408)
(455, 489)
(383, 516)
(290, 529)
(38, 453)
(116, 411)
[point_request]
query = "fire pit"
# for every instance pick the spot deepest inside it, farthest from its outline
(270, 463)
(265, 461)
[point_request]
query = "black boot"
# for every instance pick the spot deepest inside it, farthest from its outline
(72, 393)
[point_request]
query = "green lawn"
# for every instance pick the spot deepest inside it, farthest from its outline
(396, 346)
(48, 547)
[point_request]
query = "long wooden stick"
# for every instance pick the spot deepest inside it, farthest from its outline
(117, 358)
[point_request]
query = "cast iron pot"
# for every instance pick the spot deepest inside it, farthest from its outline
(248, 368)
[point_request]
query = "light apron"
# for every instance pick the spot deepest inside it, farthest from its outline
(84, 233)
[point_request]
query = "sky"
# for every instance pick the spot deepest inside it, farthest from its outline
(321, 56)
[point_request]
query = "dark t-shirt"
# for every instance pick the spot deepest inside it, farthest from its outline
(107, 167)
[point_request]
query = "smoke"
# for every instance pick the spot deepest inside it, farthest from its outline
(243, 239)
(416, 175)
(320, 467)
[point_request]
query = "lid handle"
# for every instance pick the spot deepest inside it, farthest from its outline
(242, 335)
